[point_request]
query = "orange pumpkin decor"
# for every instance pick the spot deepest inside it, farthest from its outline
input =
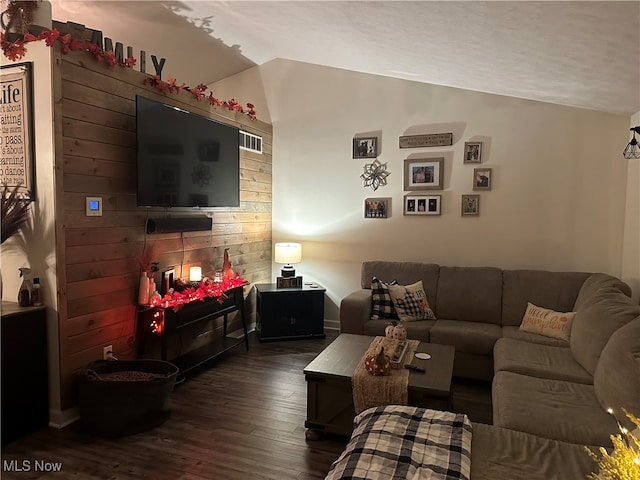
(378, 364)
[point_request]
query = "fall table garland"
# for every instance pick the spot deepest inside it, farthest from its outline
(376, 390)
(15, 50)
(205, 289)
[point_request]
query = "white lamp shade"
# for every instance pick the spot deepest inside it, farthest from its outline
(288, 253)
(195, 274)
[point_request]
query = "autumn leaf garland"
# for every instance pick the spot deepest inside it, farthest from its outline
(15, 50)
(198, 92)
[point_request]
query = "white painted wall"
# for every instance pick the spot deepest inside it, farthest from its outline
(558, 197)
(631, 246)
(35, 245)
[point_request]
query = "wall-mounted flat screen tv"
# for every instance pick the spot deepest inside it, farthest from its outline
(185, 159)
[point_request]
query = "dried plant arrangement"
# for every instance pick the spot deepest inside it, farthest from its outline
(147, 258)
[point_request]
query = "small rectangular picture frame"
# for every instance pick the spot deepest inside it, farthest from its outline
(289, 282)
(377, 207)
(422, 204)
(424, 174)
(470, 205)
(472, 152)
(167, 281)
(482, 178)
(365, 147)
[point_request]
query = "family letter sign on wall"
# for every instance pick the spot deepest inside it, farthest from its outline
(16, 129)
(427, 140)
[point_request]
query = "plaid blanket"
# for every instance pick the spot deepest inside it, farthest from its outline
(401, 442)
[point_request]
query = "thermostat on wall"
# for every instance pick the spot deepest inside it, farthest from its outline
(94, 206)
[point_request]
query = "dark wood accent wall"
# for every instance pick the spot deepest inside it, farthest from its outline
(95, 138)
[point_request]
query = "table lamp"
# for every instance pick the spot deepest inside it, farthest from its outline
(195, 274)
(288, 253)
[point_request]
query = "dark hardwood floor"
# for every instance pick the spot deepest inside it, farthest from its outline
(240, 418)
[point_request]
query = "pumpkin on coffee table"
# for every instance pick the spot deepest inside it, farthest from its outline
(378, 363)
(395, 331)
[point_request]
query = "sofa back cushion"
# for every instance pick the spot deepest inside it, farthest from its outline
(473, 294)
(554, 290)
(617, 377)
(597, 317)
(404, 273)
(598, 281)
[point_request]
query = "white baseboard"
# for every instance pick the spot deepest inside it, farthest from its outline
(332, 325)
(63, 418)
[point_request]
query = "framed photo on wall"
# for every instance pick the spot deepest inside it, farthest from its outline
(377, 207)
(482, 178)
(424, 174)
(472, 152)
(365, 147)
(422, 204)
(470, 205)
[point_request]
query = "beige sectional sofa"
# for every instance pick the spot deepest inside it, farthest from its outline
(549, 396)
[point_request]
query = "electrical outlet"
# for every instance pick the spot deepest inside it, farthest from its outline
(107, 352)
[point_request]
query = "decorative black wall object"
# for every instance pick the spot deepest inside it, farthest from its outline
(179, 224)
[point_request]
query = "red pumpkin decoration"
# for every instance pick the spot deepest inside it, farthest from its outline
(378, 364)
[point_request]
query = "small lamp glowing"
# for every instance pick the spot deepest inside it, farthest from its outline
(195, 274)
(288, 253)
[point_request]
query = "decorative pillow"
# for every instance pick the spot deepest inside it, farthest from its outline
(382, 308)
(549, 323)
(410, 302)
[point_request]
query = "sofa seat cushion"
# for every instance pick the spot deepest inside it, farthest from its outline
(598, 317)
(470, 337)
(555, 409)
(617, 377)
(502, 454)
(515, 333)
(415, 330)
(542, 361)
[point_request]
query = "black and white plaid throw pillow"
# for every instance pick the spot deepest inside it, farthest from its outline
(410, 302)
(382, 305)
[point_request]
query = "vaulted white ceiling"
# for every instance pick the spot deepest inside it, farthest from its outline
(584, 54)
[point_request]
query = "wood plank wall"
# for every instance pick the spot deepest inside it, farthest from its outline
(97, 269)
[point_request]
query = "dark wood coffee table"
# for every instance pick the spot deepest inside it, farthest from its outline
(330, 397)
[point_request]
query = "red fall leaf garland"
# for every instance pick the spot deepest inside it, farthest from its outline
(15, 50)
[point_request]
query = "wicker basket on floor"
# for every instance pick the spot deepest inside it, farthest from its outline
(124, 397)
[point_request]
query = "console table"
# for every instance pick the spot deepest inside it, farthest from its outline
(289, 313)
(25, 378)
(189, 314)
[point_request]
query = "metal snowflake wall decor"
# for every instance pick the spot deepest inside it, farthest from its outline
(375, 174)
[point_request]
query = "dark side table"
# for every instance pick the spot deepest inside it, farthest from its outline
(289, 313)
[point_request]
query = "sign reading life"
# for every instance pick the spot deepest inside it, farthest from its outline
(13, 162)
